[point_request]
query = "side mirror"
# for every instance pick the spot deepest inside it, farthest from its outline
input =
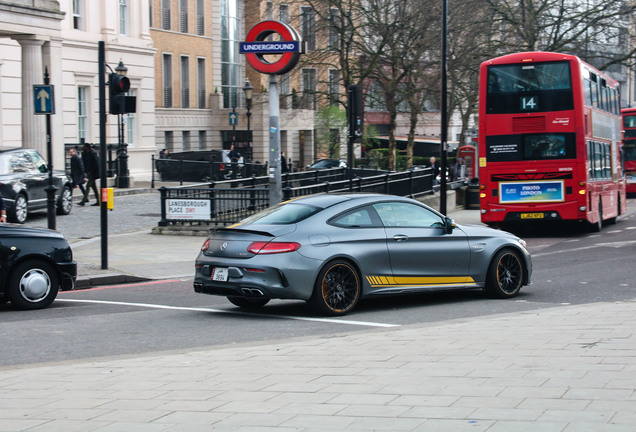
(42, 168)
(449, 225)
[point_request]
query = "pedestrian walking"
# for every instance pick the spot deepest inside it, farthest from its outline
(91, 168)
(283, 163)
(78, 177)
(162, 164)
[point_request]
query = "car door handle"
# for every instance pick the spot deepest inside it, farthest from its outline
(400, 237)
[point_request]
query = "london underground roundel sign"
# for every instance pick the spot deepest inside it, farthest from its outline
(256, 47)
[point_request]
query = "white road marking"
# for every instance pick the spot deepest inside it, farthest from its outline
(221, 311)
(618, 244)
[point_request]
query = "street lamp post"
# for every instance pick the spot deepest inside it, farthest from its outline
(249, 93)
(123, 177)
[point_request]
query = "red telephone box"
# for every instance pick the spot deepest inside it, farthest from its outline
(468, 154)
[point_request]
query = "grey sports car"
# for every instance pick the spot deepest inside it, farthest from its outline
(332, 250)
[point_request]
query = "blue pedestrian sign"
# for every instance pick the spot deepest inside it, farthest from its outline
(44, 101)
(233, 119)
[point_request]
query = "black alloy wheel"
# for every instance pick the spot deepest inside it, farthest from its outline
(337, 289)
(505, 275)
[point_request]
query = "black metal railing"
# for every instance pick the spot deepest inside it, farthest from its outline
(227, 202)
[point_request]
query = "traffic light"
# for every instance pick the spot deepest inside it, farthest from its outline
(119, 103)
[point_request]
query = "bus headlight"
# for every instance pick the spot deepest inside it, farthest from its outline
(582, 208)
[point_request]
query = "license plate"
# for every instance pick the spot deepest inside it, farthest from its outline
(219, 274)
(531, 215)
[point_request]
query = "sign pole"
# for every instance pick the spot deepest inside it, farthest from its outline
(50, 189)
(103, 216)
(289, 48)
(275, 193)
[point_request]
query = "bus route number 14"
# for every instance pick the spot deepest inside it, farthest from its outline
(529, 103)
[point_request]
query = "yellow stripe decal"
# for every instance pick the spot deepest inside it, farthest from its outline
(412, 281)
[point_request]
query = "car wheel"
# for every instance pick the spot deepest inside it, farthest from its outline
(65, 201)
(248, 303)
(598, 226)
(337, 289)
(19, 212)
(33, 285)
(505, 275)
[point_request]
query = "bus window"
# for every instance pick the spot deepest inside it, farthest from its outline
(519, 88)
(587, 86)
(629, 121)
(548, 146)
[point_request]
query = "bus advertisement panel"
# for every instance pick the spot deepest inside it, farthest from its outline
(629, 148)
(550, 142)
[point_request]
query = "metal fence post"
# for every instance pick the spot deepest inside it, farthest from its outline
(163, 191)
(152, 170)
(212, 200)
(386, 183)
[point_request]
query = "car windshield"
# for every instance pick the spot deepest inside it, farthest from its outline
(282, 214)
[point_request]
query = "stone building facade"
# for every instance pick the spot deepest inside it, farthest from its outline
(62, 37)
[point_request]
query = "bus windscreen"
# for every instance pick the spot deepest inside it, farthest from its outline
(519, 88)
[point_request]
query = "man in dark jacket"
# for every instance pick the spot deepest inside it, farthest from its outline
(91, 167)
(77, 172)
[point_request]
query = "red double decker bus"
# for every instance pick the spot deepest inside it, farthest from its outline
(629, 148)
(549, 141)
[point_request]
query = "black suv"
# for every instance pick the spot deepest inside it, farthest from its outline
(24, 176)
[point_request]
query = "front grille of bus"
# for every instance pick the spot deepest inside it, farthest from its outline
(528, 124)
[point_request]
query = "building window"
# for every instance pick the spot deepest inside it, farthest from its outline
(200, 18)
(231, 35)
(332, 39)
(185, 82)
(183, 16)
(82, 113)
(308, 89)
(129, 119)
(123, 17)
(202, 139)
(165, 14)
(269, 10)
(168, 138)
(78, 21)
(308, 26)
(167, 80)
(334, 86)
(283, 13)
(185, 140)
(201, 82)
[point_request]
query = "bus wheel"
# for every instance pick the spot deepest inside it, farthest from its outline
(596, 227)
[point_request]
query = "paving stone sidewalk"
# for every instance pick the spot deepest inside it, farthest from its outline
(566, 369)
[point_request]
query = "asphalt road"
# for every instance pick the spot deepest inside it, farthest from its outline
(569, 268)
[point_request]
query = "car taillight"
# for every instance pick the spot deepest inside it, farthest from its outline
(222, 166)
(205, 246)
(272, 247)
